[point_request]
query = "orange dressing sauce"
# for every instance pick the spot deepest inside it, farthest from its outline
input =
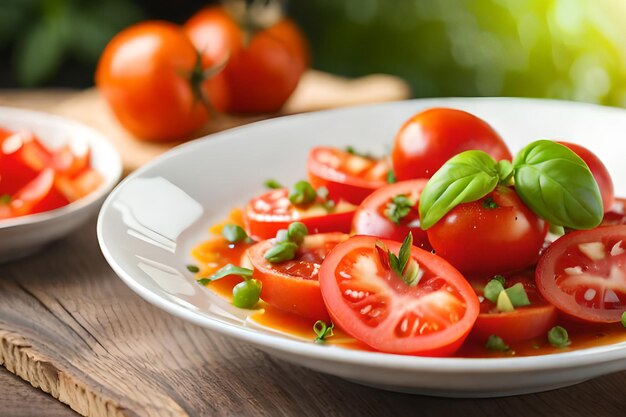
(217, 252)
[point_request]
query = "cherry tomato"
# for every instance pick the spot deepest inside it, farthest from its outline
(583, 274)
(373, 305)
(599, 171)
(260, 76)
(526, 322)
(616, 214)
(379, 216)
(428, 139)
(494, 235)
(293, 285)
(265, 215)
(151, 77)
(346, 176)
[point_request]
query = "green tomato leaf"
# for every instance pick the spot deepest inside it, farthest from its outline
(466, 177)
(557, 185)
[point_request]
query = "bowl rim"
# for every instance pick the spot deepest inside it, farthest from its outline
(111, 176)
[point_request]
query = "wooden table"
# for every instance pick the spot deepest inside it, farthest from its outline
(70, 327)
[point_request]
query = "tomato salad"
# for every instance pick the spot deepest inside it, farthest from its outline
(34, 178)
(476, 252)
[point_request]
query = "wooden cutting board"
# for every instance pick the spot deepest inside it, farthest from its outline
(316, 91)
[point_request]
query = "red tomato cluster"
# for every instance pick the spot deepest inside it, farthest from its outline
(162, 81)
(34, 179)
(426, 300)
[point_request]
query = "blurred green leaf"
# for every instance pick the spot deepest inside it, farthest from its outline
(40, 52)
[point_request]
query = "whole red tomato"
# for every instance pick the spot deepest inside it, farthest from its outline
(151, 76)
(264, 65)
(428, 139)
(493, 235)
(599, 171)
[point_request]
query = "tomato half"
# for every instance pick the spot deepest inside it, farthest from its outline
(428, 139)
(524, 323)
(293, 285)
(149, 75)
(373, 305)
(373, 217)
(260, 75)
(265, 215)
(616, 213)
(599, 171)
(347, 176)
(583, 274)
(494, 235)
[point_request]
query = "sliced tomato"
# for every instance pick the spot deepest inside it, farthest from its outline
(524, 323)
(347, 176)
(265, 215)
(616, 213)
(38, 195)
(583, 274)
(293, 285)
(22, 158)
(70, 163)
(78, 186)
(375, 216)
(373, 305)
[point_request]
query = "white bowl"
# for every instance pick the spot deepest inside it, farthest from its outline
(21, 236)
(150, 222)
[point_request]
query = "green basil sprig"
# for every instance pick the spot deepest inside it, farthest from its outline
(557, 185)
(551, 180)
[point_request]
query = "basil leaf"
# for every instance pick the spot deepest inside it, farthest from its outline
(557, 185)
(466, 177)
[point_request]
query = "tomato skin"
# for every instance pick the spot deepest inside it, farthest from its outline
(522, 324)
(429, 138)
(259, 77)
(485, 241)
(386, 291)
(279, 213)
(293, 286)
(616, 214)
(370, 219)
(569, 291)
(329, 167)
(22, 158)
(599, 171)
(144, 74)
(38, 195)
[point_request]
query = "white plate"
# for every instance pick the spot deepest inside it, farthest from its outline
(24, 235)
(150, 222)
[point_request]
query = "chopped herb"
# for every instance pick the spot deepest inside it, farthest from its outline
(557, 230)
(500, 278)
(272, 184)
(322, 193)
(403, 265)
(302, 194)
(391, 177)
(489, 203)
(296, 232)
(354, 152)
(558, 337)
(624, 319)
(234, 233)
(398, 208)
(505, 299)
(203, 281)
(517, 295)
(504, 303)
(492, 290)
(193, 268)
(496, 344)
(281, 251)
(323, 331)
(231, 269)
(5, 199)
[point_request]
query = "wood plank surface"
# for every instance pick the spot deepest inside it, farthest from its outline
(73, 329)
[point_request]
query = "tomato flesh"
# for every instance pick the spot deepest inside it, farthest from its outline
(583, 274)
(346, 176)
(265, 215)
(376, 307)
(616, 214)
(371, 218)
(293, 285)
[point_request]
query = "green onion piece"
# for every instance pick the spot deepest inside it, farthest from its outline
(557, 230)
(500, 278)
(234, 233)
(280, 252)
(203, 281)
(558, 337)
(272, 184)
(517, 295)
(323, 331)
(193, 268)
(391, 177)
(5, 199)
(489, 203)
(231, 269)
(624, 319)
(302, 194)
(398, 208)
(296, 232)
(496, 344)
(493, 288)
(504, 303)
